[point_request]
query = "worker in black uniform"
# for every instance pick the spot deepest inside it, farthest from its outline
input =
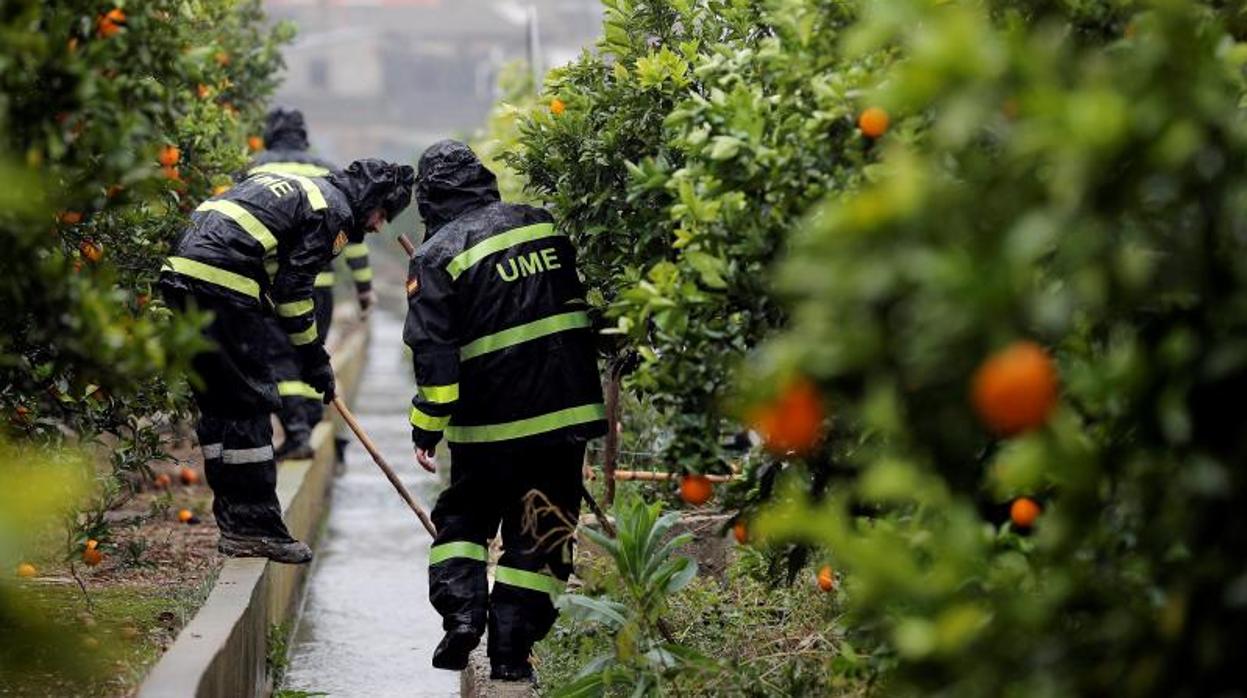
(250, 252)
(506, 371)
(286, 152)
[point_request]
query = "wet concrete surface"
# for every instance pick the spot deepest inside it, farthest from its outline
(367, 628)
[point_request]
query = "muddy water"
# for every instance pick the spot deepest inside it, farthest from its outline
(367, 628)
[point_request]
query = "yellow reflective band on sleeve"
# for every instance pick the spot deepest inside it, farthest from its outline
(305, 169)
(524, 333)
(305, 337)
(314, 196)
(428, 422)
(526, 427)
(362, 275)
(440, 394)
(464, 260)
(270, 267)
(323, 279)
(296, 308)
(524, 579)
(355, 250)
(298, 389)
(460, 549)
(213, 275)
(244, 219)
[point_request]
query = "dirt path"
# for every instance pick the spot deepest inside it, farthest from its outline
(367, 628)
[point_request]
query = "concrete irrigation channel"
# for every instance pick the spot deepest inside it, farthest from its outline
(366, 626)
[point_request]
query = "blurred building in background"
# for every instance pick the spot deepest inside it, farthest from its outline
(388, 77)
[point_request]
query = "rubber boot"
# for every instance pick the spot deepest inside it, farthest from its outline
(291, 552)
(453, 651)
(510, 671)
(295, 447)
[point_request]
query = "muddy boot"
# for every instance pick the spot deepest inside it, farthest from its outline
(294, 448)
(452, 652)
(291, 552)
(510, 671)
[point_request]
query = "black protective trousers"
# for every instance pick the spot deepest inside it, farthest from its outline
(235, 393)
(488, 486)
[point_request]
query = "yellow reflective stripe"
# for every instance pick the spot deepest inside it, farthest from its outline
(355, 250)
(459, 548)
(298, 389)
(296, 308)
(270, 267)
(244, 219)
(524, 333)
(464, 260)
(441, 394)
(529, 580)
(305, 337)
(527, 427)
(428, 422)
(323, 279)
(213, 275)
(306, 169)
(314, 195)
(362, 275)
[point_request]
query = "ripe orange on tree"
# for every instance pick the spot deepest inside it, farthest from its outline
(793, 421)
(110, 23)
(92, 557)
(69, 217)
(185, 516)
(696, 489)
(91, 251)
(1023, 512)
(826, 578)
(1015, 390)
(170, 155)
(873, 122)
(740, 531)
(171, 173)
(255, 143)
(557, 106)
(26, 569)
(188, 475)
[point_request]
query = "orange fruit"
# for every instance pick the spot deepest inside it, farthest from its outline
(696, 489)
(69, 217)
(185, 516)
(91, 251)
(741, 531)
(163, 480)
(92, 544)
(793, 421)
(1015, 390)
(92, 557)
(169, 155)
(188, 476)
(255, 143)
(203, 91)
(171, 173)
(26, 570)
(106, 28)
(826, 578)
(116, 15)
(873, 122)
(557, 106)
(1024, 512)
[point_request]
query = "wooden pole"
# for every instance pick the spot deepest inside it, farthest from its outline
(385, 467)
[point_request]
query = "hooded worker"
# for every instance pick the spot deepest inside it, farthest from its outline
(286, 152)
(249, 253)
(506, 372)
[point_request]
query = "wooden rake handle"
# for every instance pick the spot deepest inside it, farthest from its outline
(385, 467)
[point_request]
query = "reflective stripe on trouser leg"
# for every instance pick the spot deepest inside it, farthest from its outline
(244, 479)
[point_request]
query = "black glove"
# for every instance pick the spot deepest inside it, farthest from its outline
(320, 377)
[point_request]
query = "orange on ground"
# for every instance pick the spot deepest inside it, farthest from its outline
(92, 557)
(557, 106)
(793, 421)
(696, 489)
(91, 251)
(69, 217)
(255, 143)
(873, 122)
(170, 155)
(26, 570)
(92, 544)
(188, 475)
(1024, 512)
(163, 480)
(826, 579)
(741, 531)
(1015, 390)
(185, 515)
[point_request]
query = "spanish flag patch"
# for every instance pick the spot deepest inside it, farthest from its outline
(339, 243)
(413, 286)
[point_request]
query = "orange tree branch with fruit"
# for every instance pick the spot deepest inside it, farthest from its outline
(116, 119)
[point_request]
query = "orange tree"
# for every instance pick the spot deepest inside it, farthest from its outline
(115, 120)
(677, 157)
(1037, 301)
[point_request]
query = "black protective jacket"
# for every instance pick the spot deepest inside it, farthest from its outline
(496, 317)
(261, 243)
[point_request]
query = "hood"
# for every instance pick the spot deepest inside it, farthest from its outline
(284, 129)
(371, 183)
(451, 182)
